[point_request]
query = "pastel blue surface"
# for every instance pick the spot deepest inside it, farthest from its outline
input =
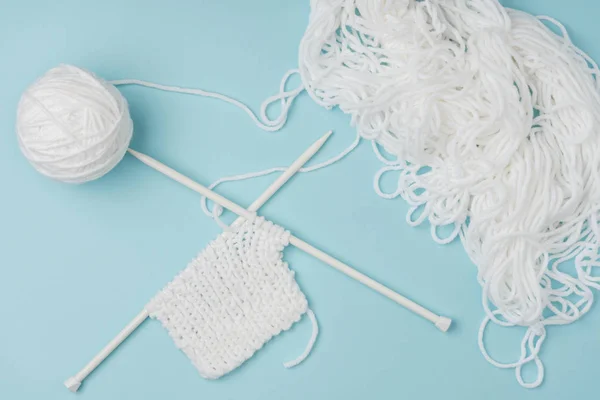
(78, 262)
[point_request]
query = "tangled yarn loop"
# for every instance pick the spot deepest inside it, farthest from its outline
(493, 122)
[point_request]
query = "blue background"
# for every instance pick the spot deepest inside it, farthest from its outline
(78, 262)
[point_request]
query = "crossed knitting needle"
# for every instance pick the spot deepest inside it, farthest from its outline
(442, 323)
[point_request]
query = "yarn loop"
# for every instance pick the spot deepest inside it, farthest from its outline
(493, 120)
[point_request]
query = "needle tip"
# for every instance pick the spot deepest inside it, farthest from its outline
(319, 143)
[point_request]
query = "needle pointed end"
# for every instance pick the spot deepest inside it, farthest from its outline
(319, 143)
(325, 137)
(311, 151)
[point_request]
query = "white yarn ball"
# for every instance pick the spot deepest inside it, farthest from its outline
(73, 126)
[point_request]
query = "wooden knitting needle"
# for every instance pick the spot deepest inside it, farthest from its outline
(442, 323)
(74, 382)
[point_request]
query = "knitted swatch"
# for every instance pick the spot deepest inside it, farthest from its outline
(231, 299)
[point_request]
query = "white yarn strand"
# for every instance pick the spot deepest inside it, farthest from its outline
(284, 97)
(217, 210)
(493, 120)
(313, 339)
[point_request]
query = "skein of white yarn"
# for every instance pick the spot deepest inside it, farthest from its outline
(73, 126)
(494, 121)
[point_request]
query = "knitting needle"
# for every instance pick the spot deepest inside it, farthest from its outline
(74, 382)
(286, 175)
(442, 323)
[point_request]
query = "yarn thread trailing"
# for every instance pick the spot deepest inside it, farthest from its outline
(74, 126)
(493, 122)
(232, 299)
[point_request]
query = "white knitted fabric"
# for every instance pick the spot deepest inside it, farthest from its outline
(231, 299)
